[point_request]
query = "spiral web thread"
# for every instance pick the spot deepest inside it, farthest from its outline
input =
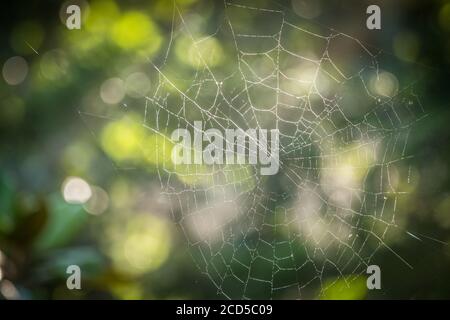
(343, 154)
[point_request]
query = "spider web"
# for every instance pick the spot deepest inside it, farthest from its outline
(343, 153)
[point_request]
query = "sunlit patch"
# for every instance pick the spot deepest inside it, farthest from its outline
(137, 85)
(209, 222)
(9, 290)
(87, 48)
(299, 80)
(135, 30)
(140, 245)
(76, 190)
(164, 9)
(15, 70)
(347, 169)
(127, 290)
(157, 150)
(102, 14)
(112, 91)
(194, 174)
(384, 84)
(122, 139)
(98, 202)
(127, 139)
(317, 226)
(206, 52)
(351, 287)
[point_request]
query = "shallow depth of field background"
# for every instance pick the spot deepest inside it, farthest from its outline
(120, 235)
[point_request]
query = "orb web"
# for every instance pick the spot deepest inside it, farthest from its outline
(344, 124)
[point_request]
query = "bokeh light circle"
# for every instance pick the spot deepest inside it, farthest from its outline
(15, 70)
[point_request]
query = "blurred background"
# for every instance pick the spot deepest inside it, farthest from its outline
(77, 188)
